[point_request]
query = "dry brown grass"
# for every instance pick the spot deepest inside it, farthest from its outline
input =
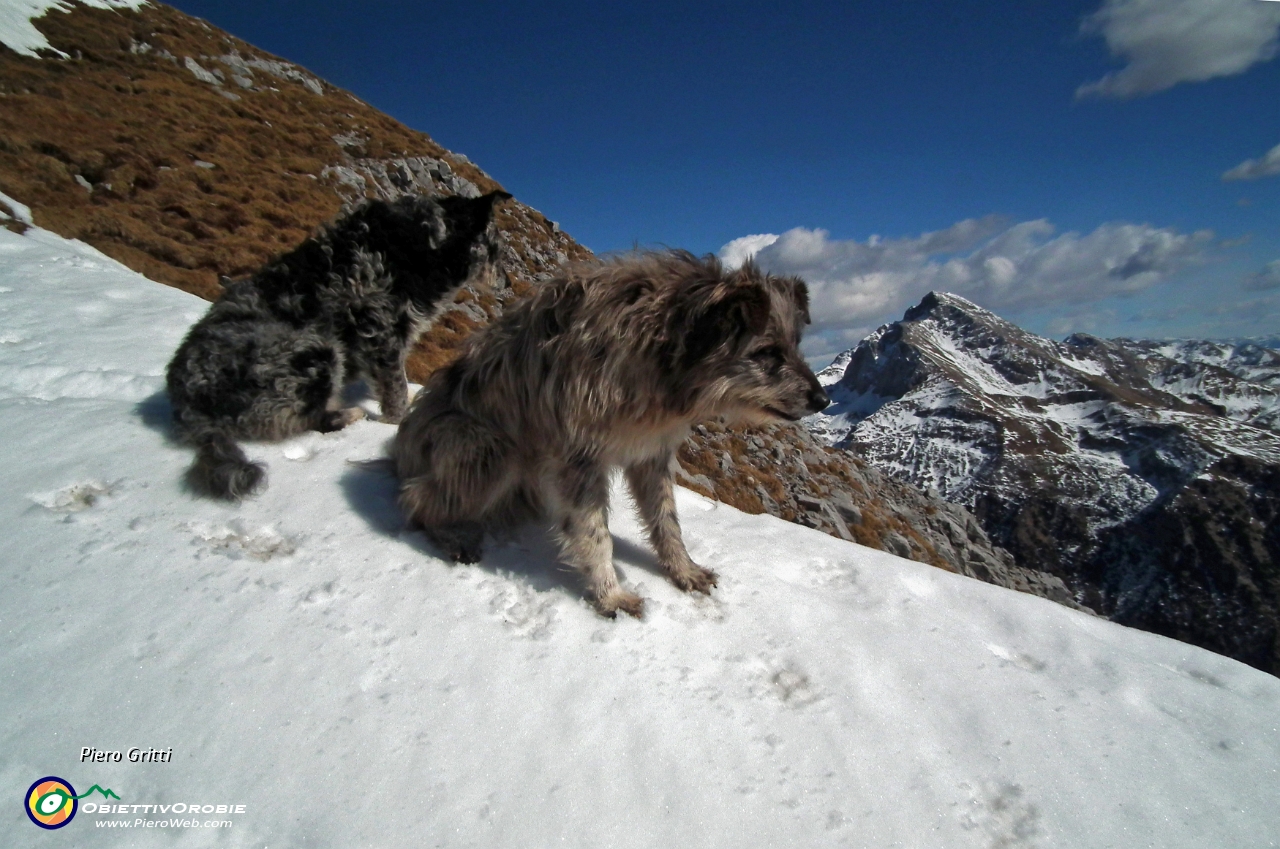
(699, 457)
(134, 125)
(441, 346)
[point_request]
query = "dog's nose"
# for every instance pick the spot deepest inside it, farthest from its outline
(818, 399)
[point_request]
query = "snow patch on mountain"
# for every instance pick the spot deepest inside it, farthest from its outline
(1241, 380)
(20, 35)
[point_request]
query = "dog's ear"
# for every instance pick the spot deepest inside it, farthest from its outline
(492, 200)
(732, 313)
(486, 203)
(800, 291)
(467, 218)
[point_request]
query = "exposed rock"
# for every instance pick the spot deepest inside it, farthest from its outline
(1202, 564)
(243, 67)
(392, 178)
(200, 73)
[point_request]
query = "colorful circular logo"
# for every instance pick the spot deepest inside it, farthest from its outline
(51, 802)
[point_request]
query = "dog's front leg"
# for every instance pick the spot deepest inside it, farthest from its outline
(585, 542)
(393, 391)
(651, 487)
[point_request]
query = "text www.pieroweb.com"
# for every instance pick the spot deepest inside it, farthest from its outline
(172, 821)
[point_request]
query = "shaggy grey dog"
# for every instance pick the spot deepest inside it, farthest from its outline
(271, 357)
(607, 367)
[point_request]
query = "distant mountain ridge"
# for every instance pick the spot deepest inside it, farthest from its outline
(1146, 475)
(1238, 379)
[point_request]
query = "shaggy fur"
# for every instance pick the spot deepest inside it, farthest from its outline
(270, 359)
(607, 367)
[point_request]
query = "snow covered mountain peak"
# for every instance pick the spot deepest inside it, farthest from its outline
(934, 302)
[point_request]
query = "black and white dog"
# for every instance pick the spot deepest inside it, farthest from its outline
(270, 359)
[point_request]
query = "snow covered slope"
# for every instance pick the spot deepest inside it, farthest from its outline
(306, 658)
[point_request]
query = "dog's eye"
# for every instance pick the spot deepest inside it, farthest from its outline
(772, 354)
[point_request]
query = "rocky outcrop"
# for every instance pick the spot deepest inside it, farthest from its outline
(392, 178)
(1138, 473)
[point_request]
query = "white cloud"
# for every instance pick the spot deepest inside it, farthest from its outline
(1027, 266)
(1166, 42)
(1268, 165)
(737, 252)
(1267, 278)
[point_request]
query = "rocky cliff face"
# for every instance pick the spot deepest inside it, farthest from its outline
(190, 155)
(1140, 473)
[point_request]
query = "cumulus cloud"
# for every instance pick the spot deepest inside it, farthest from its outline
(856, 285)
(735, 253)
(1266, 279)
(1268, 165)
(1166, 42)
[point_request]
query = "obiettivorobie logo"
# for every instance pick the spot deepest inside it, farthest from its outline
(52, 802)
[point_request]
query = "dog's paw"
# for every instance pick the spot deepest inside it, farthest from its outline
(462, 550)
(391, 418)
(338, 419)
(629, 603)
(350, 415)
(461, 543)
(694, 578)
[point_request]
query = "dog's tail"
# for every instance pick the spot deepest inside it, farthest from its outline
(222, 470)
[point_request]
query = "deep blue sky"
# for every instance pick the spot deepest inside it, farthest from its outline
(692, 124)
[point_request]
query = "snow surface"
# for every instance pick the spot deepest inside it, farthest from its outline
(307, 658)
(20, 35)
(20, 212)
